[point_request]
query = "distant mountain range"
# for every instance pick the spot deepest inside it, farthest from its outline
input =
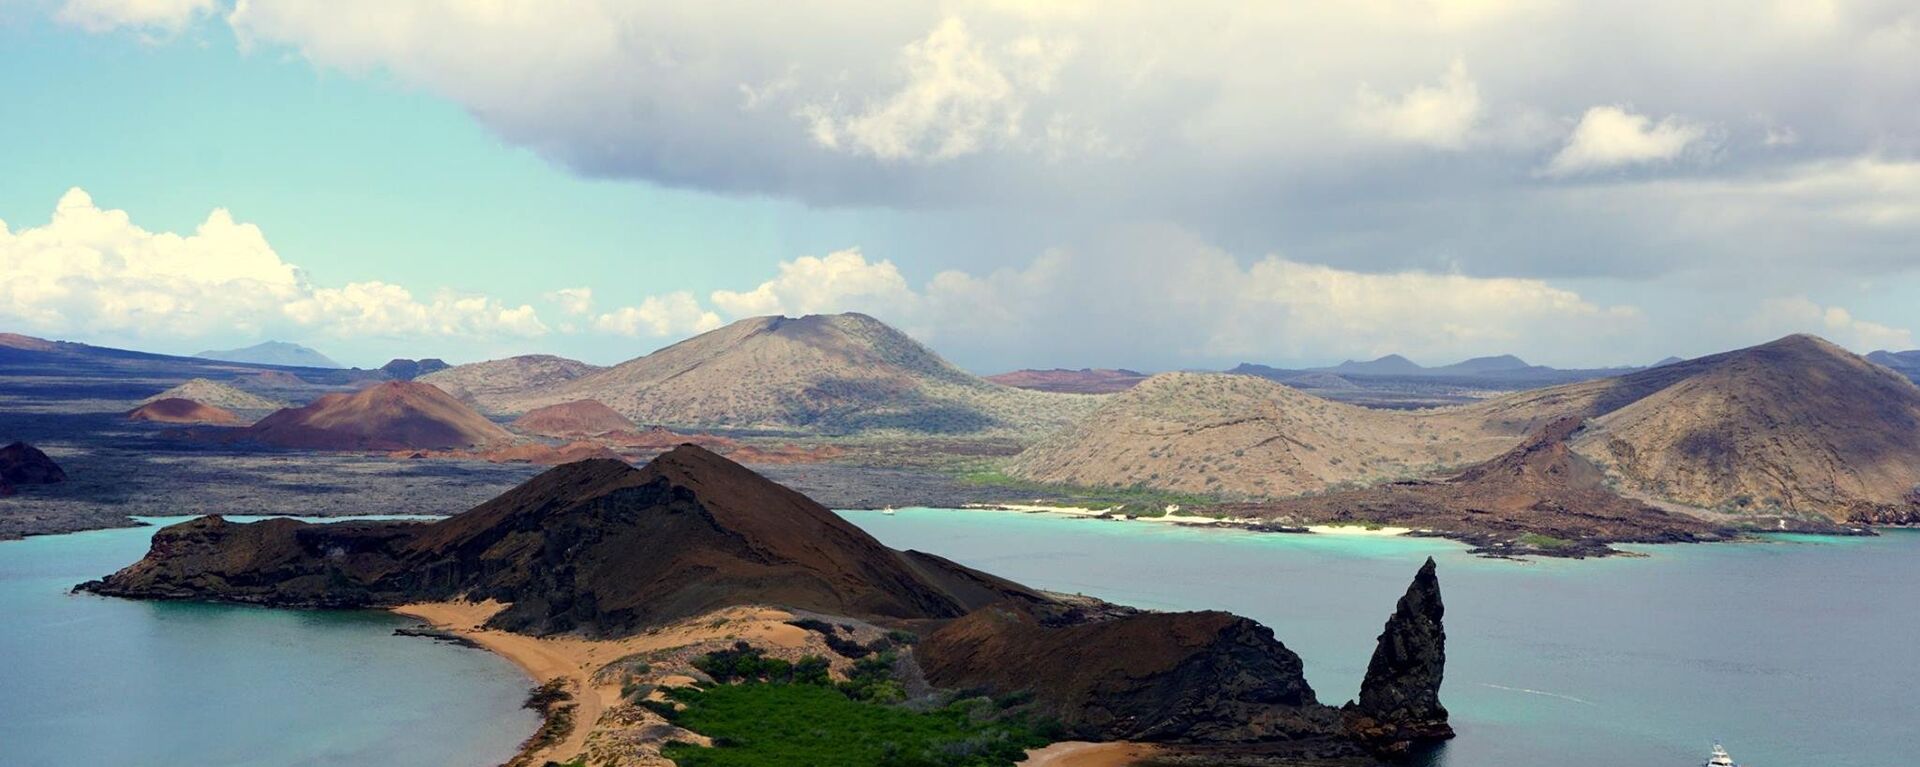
(273, 353)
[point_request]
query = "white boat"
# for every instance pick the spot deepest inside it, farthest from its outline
(887, 511)
(1720, 758)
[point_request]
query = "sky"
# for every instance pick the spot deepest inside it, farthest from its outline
(1017, 184)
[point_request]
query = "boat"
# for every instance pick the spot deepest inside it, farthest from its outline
(1720, 758)
(887, 511)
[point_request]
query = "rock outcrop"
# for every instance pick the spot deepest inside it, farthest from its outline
(177, 410)
(24, 464)
(1399, 704)
(1169, 677)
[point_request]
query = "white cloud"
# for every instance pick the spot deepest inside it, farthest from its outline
(1611, 137)
(958, 97)
(362, 309)
(812, 285)
(92, 270)
(1441, 116)
(673, 314)
(574, 301)
(1165, 295)
(162, 16)
(1799, 314)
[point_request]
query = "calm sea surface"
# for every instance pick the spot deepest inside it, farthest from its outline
(1798, 652)
(88, 680)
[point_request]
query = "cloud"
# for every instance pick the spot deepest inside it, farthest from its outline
(1799, 314)
(363, 309)
(958, 97)
(1612, 137)
(93, 270)
(811, 285)
(1440, 116)
(574, 301)
(673, 314)
(164, 17)
(1166, 297)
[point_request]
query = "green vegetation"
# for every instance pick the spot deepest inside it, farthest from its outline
(773, 715)
(555, 703)
(1542, 542)
(1134, 501)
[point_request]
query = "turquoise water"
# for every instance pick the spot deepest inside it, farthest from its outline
(1798, 652)
(116, 683)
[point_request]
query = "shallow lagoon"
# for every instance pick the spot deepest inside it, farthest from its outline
(98, 681)
(1797, 652)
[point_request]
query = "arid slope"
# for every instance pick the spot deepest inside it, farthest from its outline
(1797, 426)
(1236, 435)
(838, 373)
(216, 394)
(487, 385)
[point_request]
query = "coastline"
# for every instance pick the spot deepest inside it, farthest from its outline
(539, 659)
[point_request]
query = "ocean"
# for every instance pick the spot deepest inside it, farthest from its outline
(1795, 651)
(91, 680)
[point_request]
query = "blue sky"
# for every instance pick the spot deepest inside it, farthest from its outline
(1055, 184)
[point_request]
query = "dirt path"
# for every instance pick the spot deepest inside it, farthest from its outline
(1081, 754)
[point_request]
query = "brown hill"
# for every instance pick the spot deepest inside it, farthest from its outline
(491, 385)
(216, 394)
(580, 418)
(177, 410)
(836, 373)
(1795, 427)
(1798, 425)
(26, 343)
(1082, 381)
(24, 464)
(397, 415)
(1539, 497)
(595, 546)
(1235, 435)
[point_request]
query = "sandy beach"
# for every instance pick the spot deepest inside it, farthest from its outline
(1358, 530)
(576, 660)
(1082, 754)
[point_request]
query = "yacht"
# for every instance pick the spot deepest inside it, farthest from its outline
(1720, 758)
(887, 511)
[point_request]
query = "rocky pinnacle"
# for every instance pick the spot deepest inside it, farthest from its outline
(1399, 702)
